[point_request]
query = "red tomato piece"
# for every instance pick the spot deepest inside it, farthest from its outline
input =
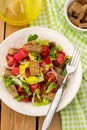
(42, 64)
(21, 54)
(50, 77)
(61, 57)
(54, 90)
(45, 51)
(15, 71)
(20, 89)
(10, 60)
(33, 87)
(47, 60)
(27, 99)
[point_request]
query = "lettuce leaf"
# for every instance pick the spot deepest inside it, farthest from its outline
(51, 87)
(22, 84)
(8, 82)
(42, 103)
(37, 100)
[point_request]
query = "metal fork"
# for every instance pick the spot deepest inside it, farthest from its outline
(70, 68)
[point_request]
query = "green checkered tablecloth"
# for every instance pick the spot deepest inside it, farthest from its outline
(74, 116)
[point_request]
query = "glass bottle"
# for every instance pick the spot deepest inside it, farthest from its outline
(19, 12)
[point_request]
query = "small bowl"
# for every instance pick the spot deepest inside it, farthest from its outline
(66, 6)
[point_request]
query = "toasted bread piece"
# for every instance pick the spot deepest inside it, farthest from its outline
(34, 68)
(12, 51)
(58, 70)
(83, 25)
(75, 21)
(83, 12)
(82, 1)
(48, 96)
(14, 92)
(7, 72)
(59, 79)
(32, 47)
(75, 8)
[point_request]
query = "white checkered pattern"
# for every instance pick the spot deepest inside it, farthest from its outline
(74, 116)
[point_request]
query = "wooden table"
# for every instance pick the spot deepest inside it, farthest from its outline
(11, 120)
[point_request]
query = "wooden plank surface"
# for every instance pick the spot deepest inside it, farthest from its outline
(1, 39)
(1, 31)
(55, 125)
(11, 120)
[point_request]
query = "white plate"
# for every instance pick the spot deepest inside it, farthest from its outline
(17, 39)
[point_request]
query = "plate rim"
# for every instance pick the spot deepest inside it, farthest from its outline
(60, 107)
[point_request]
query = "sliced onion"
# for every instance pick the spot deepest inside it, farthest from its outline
(53, 71)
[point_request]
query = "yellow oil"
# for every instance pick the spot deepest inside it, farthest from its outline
(20, 12)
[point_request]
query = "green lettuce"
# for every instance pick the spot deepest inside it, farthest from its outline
(8, 82)
(42, 103)
(37, 100)
(22, 84)
(51, 87)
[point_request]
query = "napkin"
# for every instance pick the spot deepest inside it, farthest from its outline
(74, 116)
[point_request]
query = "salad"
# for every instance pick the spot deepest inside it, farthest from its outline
(34, 72)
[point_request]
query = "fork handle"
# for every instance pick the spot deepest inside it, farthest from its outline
(53, 108)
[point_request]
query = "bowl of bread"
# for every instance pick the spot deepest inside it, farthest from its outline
(76, 14)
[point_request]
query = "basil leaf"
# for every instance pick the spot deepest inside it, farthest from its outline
(32, 37)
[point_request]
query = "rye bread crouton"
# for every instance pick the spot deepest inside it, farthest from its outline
(83, 12)
(48, 96)
(12, 51)
(85, 19)
(7, 72)
(14, 92)
(82, 1)
(60, 79)
(83, 25)
(75, 7)
(75, 21)
(33, 48)
(52, 44)
(34, 68)
(58, 70)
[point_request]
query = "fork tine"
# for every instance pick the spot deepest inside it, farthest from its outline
(76, 56)
(73, 55)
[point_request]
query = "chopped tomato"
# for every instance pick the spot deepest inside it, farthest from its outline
(15, 71)
(47, 60)
(42, 64)
(54, 90)
(10, 60)
(20, 89)
(50, 77)
(33, 87)
(61, 57)
(21, 54)
(27, 99)
(45, 52)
